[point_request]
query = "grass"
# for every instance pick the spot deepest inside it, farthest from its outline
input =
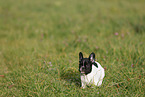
(40, 41)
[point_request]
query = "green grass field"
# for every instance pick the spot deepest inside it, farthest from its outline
(40, 41)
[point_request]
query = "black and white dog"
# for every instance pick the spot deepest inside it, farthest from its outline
(92, 73)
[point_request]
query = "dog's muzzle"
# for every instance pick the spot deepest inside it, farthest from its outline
(82, 69)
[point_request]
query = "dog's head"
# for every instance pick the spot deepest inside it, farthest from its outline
(85, 64)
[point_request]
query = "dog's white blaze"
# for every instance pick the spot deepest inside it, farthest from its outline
(95, 77)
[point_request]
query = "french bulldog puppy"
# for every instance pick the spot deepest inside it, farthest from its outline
(92, 73)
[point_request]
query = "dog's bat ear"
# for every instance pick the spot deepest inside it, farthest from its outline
(80, 56)
(92, 57)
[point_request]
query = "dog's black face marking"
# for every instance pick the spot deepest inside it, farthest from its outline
(95, 64)
(85, 64)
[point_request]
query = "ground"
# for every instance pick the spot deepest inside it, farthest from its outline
(40, 41)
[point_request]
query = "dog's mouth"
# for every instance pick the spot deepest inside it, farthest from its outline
(82, 72)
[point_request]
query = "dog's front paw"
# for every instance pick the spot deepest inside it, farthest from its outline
(83, 86)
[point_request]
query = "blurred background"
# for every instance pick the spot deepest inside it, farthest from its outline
(70, 21)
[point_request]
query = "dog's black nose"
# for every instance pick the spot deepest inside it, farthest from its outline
(83, 68)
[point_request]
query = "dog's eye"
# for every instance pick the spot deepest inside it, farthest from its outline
(81, 64)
